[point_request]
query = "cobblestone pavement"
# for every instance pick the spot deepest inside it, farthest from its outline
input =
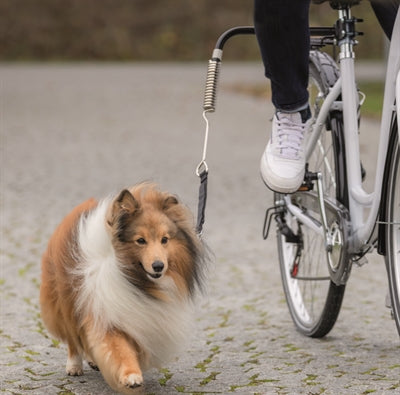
(69, 132)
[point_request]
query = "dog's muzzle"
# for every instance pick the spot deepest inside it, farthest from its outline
(158, 268)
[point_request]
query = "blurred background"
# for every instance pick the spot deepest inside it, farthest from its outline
(143, 30)
(160, 30)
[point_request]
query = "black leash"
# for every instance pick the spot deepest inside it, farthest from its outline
(201, 208)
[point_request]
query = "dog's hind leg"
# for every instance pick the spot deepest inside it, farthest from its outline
(74, 362)
(117, 358)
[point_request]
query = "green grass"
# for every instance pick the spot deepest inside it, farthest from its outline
(372, 106)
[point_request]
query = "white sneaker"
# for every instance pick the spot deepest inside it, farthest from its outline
(283, 161)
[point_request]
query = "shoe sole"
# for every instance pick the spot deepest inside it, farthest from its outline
(280, 190)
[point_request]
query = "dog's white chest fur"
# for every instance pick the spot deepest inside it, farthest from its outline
(105, 294)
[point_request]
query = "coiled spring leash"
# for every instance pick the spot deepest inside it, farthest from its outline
(208, 106)
(210, 95)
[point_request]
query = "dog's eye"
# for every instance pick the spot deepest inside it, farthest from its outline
(164, 240)
(141, 241)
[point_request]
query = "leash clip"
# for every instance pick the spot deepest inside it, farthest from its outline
(201, 168)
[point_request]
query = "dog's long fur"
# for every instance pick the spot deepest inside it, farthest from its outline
(118, 279)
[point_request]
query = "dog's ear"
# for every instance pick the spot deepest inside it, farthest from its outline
(169, 201)
(124, 204)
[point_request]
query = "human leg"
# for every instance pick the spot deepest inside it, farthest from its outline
(283, 34)
(282, 31)
(386, 12)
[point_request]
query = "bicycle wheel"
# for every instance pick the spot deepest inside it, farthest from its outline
(393, 227)
(314, 300)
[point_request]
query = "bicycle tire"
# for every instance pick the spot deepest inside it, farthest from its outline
(392, 257)
(314, 304)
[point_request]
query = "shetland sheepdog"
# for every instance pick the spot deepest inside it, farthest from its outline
(118, 280)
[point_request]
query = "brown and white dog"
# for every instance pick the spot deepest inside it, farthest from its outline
(118, 280)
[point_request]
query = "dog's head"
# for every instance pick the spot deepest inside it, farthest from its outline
(153, 238)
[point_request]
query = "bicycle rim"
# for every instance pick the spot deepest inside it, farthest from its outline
(314, 301)
(393, 230)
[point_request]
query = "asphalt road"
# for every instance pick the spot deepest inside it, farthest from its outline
(69, 132)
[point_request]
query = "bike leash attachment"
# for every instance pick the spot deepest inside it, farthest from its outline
(208, 106)
(210, 96)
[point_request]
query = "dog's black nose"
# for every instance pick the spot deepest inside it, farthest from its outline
(158, 266)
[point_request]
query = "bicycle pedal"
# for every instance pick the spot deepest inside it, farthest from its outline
(308, 184)
(306, 187)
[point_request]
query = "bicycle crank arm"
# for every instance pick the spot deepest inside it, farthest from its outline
(303, 214)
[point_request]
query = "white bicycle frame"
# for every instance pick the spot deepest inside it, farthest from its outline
(359, 199)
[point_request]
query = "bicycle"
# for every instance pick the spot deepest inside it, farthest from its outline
(321, 229)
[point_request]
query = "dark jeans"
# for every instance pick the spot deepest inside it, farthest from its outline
(283, 36)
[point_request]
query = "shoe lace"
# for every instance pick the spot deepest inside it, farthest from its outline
(290, 137)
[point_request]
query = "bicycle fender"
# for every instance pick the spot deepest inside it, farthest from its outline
(381, 248)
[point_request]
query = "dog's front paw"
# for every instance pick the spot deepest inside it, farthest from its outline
(74, 370)
(132, 380)
(74, 366)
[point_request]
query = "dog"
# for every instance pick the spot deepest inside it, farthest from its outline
(119, 278)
